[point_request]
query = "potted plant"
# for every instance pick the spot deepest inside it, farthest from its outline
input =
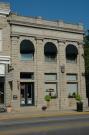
(79, 103)
(47, 98)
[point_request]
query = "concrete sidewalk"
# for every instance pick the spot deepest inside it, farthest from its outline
(38, 114)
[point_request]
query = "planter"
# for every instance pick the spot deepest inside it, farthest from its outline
(9, 109)
(44, 108)
(80, 106)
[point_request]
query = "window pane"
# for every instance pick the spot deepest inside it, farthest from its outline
(50, 58)
(71, 77)
(50, 77)
(51, 89)
(26, 75)
(27, 56)
(72, 88)
(71, 61)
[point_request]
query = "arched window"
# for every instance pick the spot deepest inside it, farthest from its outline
(27, 50)
(71, 53)
(50, 51)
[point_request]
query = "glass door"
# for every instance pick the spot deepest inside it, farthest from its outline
(22, 93)
(27, 93)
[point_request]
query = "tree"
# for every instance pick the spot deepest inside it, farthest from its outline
(86, 57)
(86, 52)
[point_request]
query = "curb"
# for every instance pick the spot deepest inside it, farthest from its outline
(24, 116)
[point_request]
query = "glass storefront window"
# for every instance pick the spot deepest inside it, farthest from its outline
(51, 89)
(72, 88)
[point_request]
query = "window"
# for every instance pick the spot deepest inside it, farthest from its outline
(71, 53)
(50, 51)
(26, 75)
(27, 56)
(71, 77)
(71, 59)
(51, 89)
(72, 89)
(72, 85)
(50, 77)
(27, 50)
(51, 84)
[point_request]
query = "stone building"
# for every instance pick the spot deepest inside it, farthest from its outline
(40, 57)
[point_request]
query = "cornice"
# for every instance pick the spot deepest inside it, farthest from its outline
(43, 26)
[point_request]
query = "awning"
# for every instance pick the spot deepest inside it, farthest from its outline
(50, 49)
(26, 46)
(71, 50)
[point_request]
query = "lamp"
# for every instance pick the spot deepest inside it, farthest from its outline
(63, 68)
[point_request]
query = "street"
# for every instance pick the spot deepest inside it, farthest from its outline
(62, 125)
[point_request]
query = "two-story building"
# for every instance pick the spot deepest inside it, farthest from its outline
(39, 57)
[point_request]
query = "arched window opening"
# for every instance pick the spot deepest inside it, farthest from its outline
(71, 53)
(50, 51)
(27, 50)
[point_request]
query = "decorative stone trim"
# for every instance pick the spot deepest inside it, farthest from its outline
(5, 59)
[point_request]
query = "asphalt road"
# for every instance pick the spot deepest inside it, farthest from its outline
(63, 125)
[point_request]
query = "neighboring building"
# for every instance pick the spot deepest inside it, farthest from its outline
(37, 58)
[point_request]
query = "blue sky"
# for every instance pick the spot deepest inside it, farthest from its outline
(72, 11)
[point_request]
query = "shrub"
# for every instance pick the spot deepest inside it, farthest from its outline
(47, 98)
(78, 97)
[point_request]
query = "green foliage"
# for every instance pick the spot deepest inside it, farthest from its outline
(78, 97)
(47, 98)
(86, 52)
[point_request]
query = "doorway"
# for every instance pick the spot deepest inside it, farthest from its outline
(27, 93)
(2, 90)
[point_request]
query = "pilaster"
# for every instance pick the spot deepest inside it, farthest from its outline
(62, 74)
(40, 71)
(82, 72)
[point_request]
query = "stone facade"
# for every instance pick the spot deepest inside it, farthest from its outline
(29, 79)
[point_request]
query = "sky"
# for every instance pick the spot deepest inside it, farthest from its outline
(70, 11)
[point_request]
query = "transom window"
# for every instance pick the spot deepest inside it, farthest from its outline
(27, 50)
(26, 75)
(71, 77)
(50, 76)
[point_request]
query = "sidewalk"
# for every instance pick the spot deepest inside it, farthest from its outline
(38, 114)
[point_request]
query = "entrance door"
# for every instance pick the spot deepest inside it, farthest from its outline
(1, 90)
(27, 94)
